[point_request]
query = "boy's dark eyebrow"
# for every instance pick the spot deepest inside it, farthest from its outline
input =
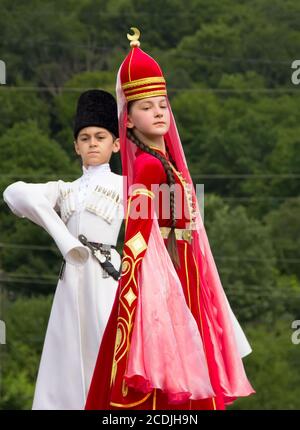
(88, 135)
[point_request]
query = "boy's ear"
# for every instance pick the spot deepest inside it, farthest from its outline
(116, 145)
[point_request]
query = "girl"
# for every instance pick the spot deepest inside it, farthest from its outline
(177, 344)
(89, 206)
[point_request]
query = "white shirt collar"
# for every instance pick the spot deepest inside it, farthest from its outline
(92, 170)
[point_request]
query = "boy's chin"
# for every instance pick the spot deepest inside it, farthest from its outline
(96, 162)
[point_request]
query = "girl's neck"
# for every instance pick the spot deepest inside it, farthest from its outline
(154, 142)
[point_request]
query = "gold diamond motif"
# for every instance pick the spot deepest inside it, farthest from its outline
(137, 244)
(130, 297)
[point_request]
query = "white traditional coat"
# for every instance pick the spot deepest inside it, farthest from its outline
(92, 206)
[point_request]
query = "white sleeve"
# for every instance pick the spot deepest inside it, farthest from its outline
(37, 202)
(242, 342)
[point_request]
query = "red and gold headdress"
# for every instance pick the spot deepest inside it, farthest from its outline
(140, 74)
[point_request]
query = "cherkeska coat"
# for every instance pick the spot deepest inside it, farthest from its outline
(92, 206)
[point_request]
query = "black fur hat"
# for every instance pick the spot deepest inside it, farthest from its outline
(96, 108)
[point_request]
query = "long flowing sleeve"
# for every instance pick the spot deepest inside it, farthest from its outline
(139, 216)
(37, 202)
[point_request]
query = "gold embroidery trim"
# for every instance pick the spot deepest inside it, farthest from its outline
(143, 81)
(124, 388)
(145, 88)
(129, 74)
(186, 191)
(127, 214)
(154, 400)
(143, 191)
(131, 405)
(214, 403)
(125, 267)
(187, 274)
(157, 149)
(118, 341)
(146, 94)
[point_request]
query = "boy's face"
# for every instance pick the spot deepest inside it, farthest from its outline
(95, 145)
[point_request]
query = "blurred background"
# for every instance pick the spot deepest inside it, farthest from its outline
(228, 69)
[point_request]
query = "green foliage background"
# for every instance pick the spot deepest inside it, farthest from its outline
(228, 68)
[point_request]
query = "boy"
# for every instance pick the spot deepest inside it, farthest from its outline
(90, 213)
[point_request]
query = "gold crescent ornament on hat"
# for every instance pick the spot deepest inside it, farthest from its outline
(134, 37)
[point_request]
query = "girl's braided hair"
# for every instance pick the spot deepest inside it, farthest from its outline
(171, 240)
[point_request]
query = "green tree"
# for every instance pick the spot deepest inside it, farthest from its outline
(19, 106)
(285, 230)
(52, 49)
(272, 368)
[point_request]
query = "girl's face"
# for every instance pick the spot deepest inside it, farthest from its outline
(95, 145)
(150, 116)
